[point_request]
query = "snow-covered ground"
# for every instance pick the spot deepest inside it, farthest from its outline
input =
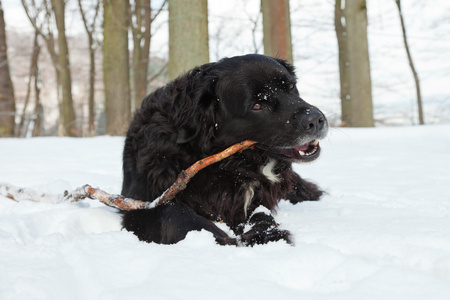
(382, 232)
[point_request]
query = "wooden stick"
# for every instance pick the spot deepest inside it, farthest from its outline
(185, 176)
(19, 194)
(120, 201)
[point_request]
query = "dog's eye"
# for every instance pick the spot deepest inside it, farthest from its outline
(257, 106)
(291, 86)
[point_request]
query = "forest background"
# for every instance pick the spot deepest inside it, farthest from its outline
(235, 27)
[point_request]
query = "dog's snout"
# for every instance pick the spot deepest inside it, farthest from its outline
(312, 120)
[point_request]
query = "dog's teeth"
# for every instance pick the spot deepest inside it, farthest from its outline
(301, 153)
(315, 143)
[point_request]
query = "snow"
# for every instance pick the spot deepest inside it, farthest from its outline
(381, 232)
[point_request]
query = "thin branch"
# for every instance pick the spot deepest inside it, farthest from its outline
(411, 64)
(90, 28)
(119, 201)
(32, 19)
(163, 68)
(159, 10)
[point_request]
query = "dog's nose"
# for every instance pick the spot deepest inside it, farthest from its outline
(312, 121)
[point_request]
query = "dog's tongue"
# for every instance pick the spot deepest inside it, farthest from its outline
(305, 152)
(302, 147)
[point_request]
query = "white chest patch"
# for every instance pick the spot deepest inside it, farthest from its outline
(267, 170)
(249, 192)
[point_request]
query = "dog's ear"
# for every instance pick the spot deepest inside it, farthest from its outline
(287, 65)
(197, 109)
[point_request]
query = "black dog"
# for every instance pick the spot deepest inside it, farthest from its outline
(251, 97)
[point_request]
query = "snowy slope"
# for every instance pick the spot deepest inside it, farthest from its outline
(382, 232)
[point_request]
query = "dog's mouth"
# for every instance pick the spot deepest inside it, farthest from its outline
(306, 152)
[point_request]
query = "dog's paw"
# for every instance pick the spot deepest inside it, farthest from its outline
(254, 237)
(264, 230)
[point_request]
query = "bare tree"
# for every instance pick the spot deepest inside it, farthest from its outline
(32, 77)
(67, 112)
(38, 108)
(354, 65)
(411, 64)
(141, 31)
(188, 35)
(41, 16)
(344, 70)
(7, 100)
(116, 66)
(140, 23)
(277, 29)
(90, 27)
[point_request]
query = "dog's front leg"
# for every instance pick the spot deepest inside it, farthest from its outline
(263, 229)
(302, 190)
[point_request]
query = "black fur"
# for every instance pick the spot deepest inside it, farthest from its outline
(201, 113)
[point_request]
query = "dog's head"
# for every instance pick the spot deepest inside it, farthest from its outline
(253, 97)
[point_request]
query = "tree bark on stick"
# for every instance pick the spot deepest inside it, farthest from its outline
(411, 64)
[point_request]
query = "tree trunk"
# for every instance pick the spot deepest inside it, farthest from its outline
(33, 73)
(90, 30)
(67, 112)
(141, 30)
(38, 108)
(116, 66)
(32, 10)
(39, 113)
(91, 97)
(7, 100)
(354, 65)
(411, 64)
(277, 29)
(344, 70)
(188, 35)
